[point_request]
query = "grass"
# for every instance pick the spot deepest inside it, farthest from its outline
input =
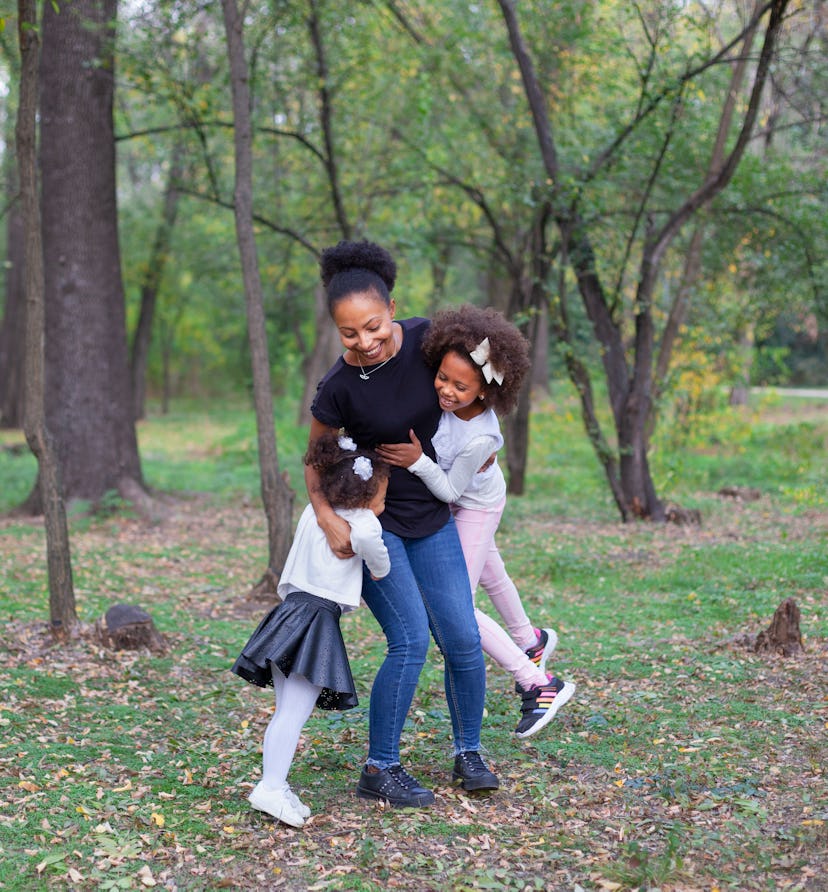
(684, 762)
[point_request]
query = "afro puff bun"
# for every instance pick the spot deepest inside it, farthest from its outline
(363, 255)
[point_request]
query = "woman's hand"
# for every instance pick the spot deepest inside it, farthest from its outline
(402, 455)
(337, 531)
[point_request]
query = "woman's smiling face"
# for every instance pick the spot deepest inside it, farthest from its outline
(365, 325)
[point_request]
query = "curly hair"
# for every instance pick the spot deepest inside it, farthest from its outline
(352, 267)
(461, 329)
(338, 479)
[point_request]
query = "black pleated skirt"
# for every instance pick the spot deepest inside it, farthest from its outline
(301, 635)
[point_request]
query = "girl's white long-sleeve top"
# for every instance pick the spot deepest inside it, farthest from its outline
(462, 447)
(311, 566)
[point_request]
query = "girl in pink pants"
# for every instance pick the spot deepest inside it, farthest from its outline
(481, 360)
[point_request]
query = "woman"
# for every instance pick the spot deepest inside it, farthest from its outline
(379, 390)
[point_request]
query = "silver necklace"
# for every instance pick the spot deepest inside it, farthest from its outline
(366, 375)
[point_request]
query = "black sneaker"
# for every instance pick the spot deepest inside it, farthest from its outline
(540, 652)
(541, 703)
(395, 786)
(547, 642)
(472, 773)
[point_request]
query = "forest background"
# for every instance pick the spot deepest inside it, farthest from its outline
(640, 187)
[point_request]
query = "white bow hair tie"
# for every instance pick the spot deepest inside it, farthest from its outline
(480, 355)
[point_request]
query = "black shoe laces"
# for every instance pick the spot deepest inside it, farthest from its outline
(473, 761)
(402, 777)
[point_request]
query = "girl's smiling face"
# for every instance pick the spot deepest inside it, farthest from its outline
(459, 386)
(365, 323)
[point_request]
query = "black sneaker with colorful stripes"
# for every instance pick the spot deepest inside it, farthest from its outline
(541, 704)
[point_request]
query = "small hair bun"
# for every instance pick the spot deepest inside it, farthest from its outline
(358, 255)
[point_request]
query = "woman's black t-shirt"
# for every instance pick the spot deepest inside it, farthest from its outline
(396, 398)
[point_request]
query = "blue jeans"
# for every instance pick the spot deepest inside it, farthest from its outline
(427, 588)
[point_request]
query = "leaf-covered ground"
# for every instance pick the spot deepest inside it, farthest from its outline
(685, 761)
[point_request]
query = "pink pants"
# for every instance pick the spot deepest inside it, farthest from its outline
(476, 528)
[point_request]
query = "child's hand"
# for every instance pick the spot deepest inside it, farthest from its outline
(402, 455)
(488, 463)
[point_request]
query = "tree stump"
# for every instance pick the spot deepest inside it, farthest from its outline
(682, 516)
(127, 627)
(740, 493)
(783, 635)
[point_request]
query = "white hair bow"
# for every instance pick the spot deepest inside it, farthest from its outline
(347, 444)
(363, 467)
(480, 355)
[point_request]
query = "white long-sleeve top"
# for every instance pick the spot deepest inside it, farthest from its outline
(311, 566)
(462, 447)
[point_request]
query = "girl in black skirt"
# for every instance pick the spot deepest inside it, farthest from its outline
(298, 646)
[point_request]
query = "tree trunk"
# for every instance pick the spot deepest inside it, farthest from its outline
(62, 611)
(276, 494)
(693, 258)
(327, 346)
(321, 358)
(88, 389)
(13, 322)
(740, 392)
(13, 326)
(630, 385)
(540, 352)
(151, 283)
(516, 428)
(579, 376)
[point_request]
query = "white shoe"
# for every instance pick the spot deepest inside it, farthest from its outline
(281, 804)
(298, 804)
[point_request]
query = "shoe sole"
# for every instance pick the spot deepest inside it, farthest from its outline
(419, 801)
(561, 699)
(292, 822)
(471, 784)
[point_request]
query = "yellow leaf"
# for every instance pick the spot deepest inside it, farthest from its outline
(157, 818)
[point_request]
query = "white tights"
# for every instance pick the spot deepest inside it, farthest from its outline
(295, 699)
